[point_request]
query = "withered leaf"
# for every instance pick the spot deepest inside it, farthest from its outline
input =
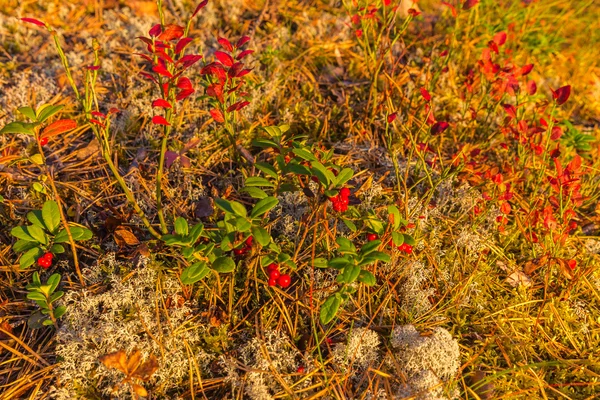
(139, 390)
(147, 369)
(92, 148)
(518, 278)
(133, 362)
(124, 236)
(116, 360)
(531, 266)
(564, 268)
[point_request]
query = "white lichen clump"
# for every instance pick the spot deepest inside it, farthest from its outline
(429, 362)
(134, 313)
(360, 352)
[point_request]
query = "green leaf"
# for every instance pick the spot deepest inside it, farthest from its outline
(330, 308)
(397, 238)
(395, 214)
(21, 232)
(375, 225)
(349, 224)
(264, 143)
(267, 169)
(346, 246)
(194, 273)
(349, 274)
(62, 236)
(367, 278)
(53, 281)
(409, 240)
(35, 217)
(38, 234)
(324, 175)
(56, 296)
(16, 127)
(375, 256)
(259, 181)
(79, 233)
(223, 264)
(59, 311)
(339, 262)
(261, 235)
(263, 206)
(273, 131)
(36, 279)
(57, 249)
(38, 187)
(344, 176)
(195, 233)
(242, 224)
(46, 111)
(51, 216)
(181, 226)
(254, 192)
(305, 154)
(320, 262)
(295, 168)
(47, 322)
(370, 247)
(28, 112)
(232, 207)
(36, 296)
(37, 159)
(23, 245)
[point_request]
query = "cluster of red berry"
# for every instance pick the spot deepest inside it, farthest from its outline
(244, 249)
(372, 236)
(405, 247)
(340, 202)
(45, 261)
(277, 278)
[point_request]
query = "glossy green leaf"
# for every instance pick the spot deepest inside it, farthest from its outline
(330, 308)
(181, 226)
(223, 264)
(46, 111)
(263, 206)
(30, 257)
(267, 169)
(254, 192)
(367, 278)
(16, 127)
(344, 176)
(232, 207)
(261, 235)
(51, 216)
(28, 112)
(194, 273)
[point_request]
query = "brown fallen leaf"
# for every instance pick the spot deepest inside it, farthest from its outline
(518, 278)
(532, 265)
(89, 150)
(132, 367)
(124, 237)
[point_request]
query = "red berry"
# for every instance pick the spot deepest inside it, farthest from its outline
(572, 264)
(272, 267)
(249, 241)
(372, 236)
(272, 281)
(43, 141)
(238, 252)
(314, 179)
(345, 192)
(300, 369)
(284, 280)
(344, 201)
(274, 274)
(49, 256)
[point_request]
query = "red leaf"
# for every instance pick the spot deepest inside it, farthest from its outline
(243, 40)
(451, 7)
(413, 13)
(238, 106)
(215, 90)
(114, 110)
(189, 60)
(58, 127)
(525, 69)
(155, 30)
(391, 118)
(531, 87)
(243, 72)
(161, 70)
(33, 21)
(510, 110)
(493, 46)
(161, 103)
(171, 32)
(224, 58)
(225, 43)
(200, 7)
(500, 38)
(244, 54)
(160, 120)
(561, 95)
(93, 67)
(184, 94)
(425, 94)
(184, 83)
(183, 42)
(98, 114)
(96, 122)
(217, 115)
(439, 127)
(467, 5)
(556, 133)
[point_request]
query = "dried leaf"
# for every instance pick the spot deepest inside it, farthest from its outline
(58, 127)
(145, 371)
(533, 265)
(133, 362)
(124, 237)
(116, 360)
(565, 269)
(518, 278)
(139, 390)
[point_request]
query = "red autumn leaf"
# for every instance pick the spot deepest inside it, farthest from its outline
(531, 87)
(224, 58)
(225, 43)
(184, 83)
(161, 70)
(451, 7)
(439, 127)
(500, 38)
(217, 115)
(96, 122)
(184, 94)
(468, 4)
(561, 95)
(98, 114)
(556, 133)
(189, 60)
(493, 46)
(238, 106)
(510, 110)
(183, 42)
(391, 118)
(505, 208)
(155, 30)
(33, 21)
(425, 94)
(58, 127)
(243, 72)
(413, 13)
(161, 103)
(243, 40)
(244, 54)
(171, 32)
(200, 7)
(525, 69)
(215, 90)
(113, 110)
(93, 67)
(160, 120)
